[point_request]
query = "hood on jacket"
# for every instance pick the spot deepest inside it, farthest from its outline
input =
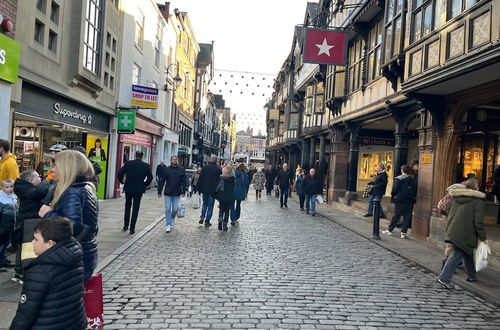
(22, 188)
(65, 253)
(8, 156)
(465, 195)
(456, 186)
(403, 176)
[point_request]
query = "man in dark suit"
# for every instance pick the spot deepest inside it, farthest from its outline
(206, 185)
(136, 175)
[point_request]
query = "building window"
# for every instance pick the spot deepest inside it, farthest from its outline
(355, 65)
(393, 28)
(374, 51)
(92, 39)
(459, 6)
(39, 31)
(52, 41)
(314, 98)
(139, 31)
(158, 43)
(54, 12)
(422, 18)
(136, 74)
(41, 5)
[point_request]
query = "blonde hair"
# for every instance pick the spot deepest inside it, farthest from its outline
(71, 165)
(227, 171)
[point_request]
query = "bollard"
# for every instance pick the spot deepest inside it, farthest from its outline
(376, 218)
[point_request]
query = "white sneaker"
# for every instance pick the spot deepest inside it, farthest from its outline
(169, 228)
(403, 235)
(387, 232)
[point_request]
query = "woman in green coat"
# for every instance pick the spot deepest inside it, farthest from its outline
(464, 229)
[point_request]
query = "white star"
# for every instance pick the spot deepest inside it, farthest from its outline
(324, 48)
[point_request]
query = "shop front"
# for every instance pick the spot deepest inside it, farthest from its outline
(44, 118)
(9, 67)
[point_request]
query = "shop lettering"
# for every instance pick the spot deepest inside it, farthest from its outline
(3, 53)
(139, 96)
(59, 110)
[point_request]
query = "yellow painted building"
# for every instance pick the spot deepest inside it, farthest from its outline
(187, 52)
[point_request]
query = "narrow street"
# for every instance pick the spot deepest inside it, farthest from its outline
(278, 268)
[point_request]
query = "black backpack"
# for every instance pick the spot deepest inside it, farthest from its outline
(407, 189)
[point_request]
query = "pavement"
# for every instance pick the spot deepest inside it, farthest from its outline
(279, 268)
(111, 241)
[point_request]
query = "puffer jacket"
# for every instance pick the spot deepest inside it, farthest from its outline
(8, 168)
(240, 190)
(226, 195)
(30, 199)
(465, 219)
(51, 298)
(79, 204)
(259, 180)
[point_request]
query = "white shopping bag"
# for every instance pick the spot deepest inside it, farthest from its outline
(195, 201)
(319, 199)
(181, 209)
(481, 256)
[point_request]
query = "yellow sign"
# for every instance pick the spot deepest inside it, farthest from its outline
(426, 159)
(144, 96)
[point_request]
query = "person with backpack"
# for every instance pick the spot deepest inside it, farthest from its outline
(404, 192)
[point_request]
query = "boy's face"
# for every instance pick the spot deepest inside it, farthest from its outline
(8, 188)
(39, 245)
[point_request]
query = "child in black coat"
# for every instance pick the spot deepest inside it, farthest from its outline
(52, 295)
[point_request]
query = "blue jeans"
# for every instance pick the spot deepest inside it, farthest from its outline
(453, 262)
(284, 196)
(171, 205)
(236, 211)
(208, 207)
(312, 200)
(370, 206)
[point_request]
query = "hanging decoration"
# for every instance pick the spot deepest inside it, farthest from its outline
(325, 46)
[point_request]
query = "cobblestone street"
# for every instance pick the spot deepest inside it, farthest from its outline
(277, 268)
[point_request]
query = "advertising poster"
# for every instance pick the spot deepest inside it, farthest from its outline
(97, 150)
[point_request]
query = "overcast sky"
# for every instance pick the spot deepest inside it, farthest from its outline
(250, 36)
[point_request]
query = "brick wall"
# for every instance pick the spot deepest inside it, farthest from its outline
(8, 9)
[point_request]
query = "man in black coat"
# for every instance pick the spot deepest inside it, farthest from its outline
(284, 180)
(312, 187)
(378, 190)
(136, 176)
(160, 172)
(207, 183)
(175, 186)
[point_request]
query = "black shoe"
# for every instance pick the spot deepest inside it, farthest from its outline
(224, 226)
(219, 226)
(233, 223)
(281, 206)
(448, 286)
(208, 224)
(368, 215)
(471, 279)
(125, 228)
(313, 214)
(302, 209)
(132, 232)
(201, 220)
(286, 206)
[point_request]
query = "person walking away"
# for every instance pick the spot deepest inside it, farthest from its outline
(273, 173)
(312, 187)
(52, 294)
(75, 198)
(160, 172)
(379, 187)
(403, 194)
(8, 163)
(207, 183)
(250, 173)
(195, 180)
(136, 176)
(464, 229)
(30, 191)
(8, 210)
(284, 180)
(496, 189)
(269, 181)
(240, 193)
(225, 195)
(175, 187)
(300, 189)
(258, 181)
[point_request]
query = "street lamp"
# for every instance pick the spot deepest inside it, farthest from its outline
(177, 79)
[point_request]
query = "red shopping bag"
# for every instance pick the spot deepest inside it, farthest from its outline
(92, 297)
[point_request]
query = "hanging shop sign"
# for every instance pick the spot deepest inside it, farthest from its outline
(126, 121)
(41, 103)
(367, 141)
(274, 114)
(144, 96)
(325, 46)
(147, 126)
(426, 159)
(9, 59)
(139, 138)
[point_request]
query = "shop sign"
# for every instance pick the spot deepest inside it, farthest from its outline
(144, 96)
(97, 148)
(148, 126)
(9, 59)
(426, 159)
(126, 121)
(138, 138)
(64, 112)
(365, 141)
(274, 114)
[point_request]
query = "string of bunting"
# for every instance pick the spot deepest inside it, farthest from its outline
(222, 76)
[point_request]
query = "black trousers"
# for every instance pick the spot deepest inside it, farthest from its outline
(269, 187)
(284, 196)
(404, 210)
(132, 200)
(224, 209)
(302, 199)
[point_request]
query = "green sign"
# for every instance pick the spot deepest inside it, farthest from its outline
(126, 120)
(9, 59)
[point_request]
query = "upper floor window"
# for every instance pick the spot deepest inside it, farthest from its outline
(136, 74)
(139, 30)
(54, 12)
(158, 43)
(355, 65)
(92, 39)
(374, 50)
(422, 18)
(314, 98)
(393, 28)
(458, 6)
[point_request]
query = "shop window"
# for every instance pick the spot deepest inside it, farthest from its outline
(393, 28)
(92, 38)
(54, 12)
(52, 41)
(374, 50)
(368, 162)
(39, 31)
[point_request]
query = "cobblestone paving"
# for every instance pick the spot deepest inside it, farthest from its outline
(278, 268)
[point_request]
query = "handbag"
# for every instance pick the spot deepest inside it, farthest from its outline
(276, 193)
(93, 300)
(481, 256)
(319, 199)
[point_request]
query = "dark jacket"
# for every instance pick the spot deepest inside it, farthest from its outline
(51, 298)
(226, 195)
(380, 184)
(8, 210)
(465, 219)
(92, 154)
(137, 176)
(30, 199)
(174, 181)
(284, 179)
(250, 177)
(160, 171)
(298, 185)
(312, 185)
(79, 204)
(404, 189)
(208, 179)
(241, 185)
